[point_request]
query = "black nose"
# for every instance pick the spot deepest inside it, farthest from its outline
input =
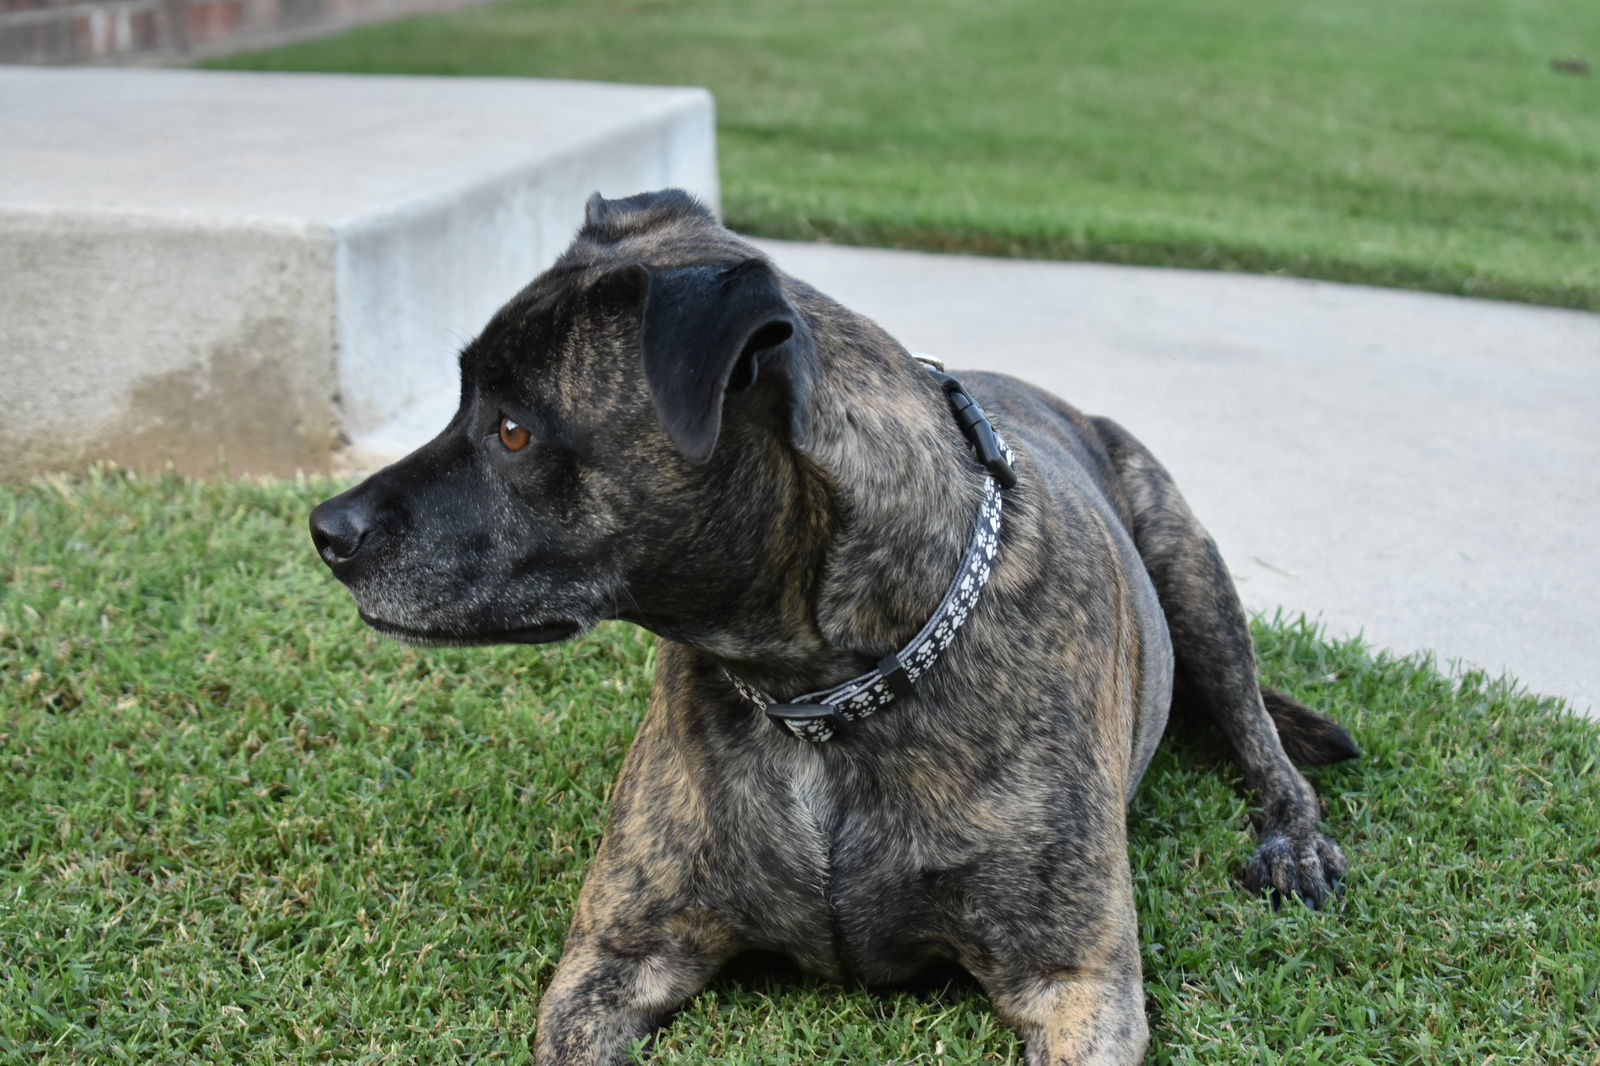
(341, 525)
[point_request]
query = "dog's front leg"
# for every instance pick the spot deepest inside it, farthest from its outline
(611, 991)
(1076, 1018)
(1055, 943)
(641, 943)
(643, 939)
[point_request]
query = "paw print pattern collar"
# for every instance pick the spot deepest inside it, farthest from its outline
(818, 716)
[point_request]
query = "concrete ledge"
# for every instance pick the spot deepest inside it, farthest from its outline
(261, 266)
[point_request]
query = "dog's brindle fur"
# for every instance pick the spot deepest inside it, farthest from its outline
(771, 484)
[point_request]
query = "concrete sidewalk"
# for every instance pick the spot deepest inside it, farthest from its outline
(1423, 470)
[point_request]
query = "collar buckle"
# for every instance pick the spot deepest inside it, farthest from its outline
(975, 425)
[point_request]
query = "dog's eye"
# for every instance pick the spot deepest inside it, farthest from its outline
(512, 435)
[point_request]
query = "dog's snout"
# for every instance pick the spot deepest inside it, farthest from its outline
(340, 526)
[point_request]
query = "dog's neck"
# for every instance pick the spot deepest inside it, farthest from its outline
(889, 491)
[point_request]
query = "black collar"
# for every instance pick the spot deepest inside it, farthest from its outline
(817, 716)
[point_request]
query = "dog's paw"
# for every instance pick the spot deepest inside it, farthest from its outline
(1306, 866)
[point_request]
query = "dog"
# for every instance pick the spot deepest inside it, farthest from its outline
(919, 636)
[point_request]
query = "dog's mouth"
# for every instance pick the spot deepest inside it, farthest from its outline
(543, 633)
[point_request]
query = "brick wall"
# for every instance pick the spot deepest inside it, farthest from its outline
(109, 31)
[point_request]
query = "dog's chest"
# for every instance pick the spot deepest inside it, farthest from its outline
(875, 902)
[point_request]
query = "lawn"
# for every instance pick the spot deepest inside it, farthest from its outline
(237, 827)
(1425, 144)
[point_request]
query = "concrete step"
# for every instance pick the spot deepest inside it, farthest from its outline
(244, 271)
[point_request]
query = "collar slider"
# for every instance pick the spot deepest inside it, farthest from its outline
(801, 712)
(894, 674)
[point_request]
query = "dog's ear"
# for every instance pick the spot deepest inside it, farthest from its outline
(711, 331)
(611, 220)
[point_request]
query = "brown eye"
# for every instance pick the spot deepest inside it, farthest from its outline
(513, 436)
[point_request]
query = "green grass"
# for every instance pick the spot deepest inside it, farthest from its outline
(237, 827)
(1421, 144)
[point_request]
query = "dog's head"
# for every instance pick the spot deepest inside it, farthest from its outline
(628, 400)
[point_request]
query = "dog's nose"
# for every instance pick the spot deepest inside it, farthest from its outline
(339, 527)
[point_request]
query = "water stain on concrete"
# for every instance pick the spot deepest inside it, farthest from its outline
(242, 410)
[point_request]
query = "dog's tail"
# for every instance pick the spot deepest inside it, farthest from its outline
(1309, 738)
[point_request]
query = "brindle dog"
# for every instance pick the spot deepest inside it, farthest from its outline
(666, 429)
